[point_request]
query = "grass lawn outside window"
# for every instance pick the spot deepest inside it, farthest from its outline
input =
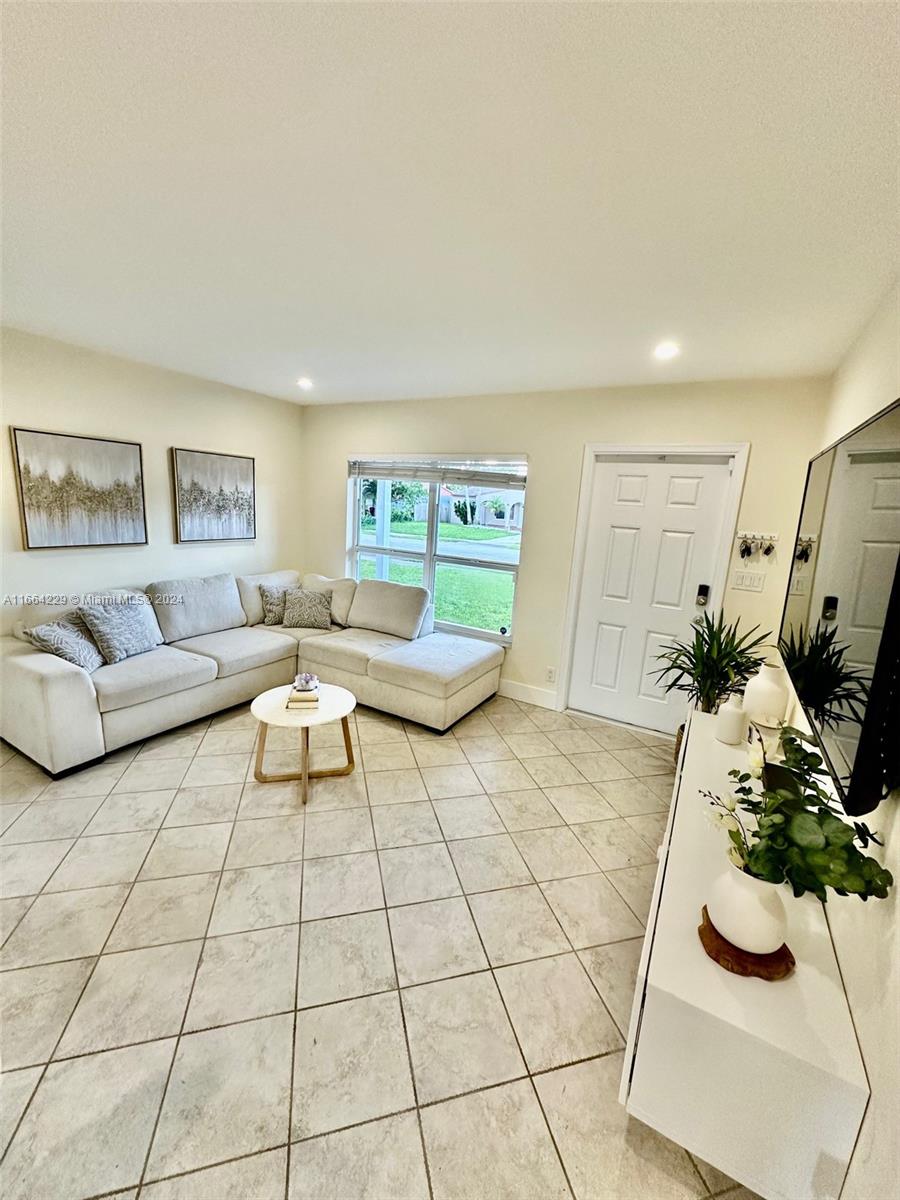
(458, 536)
(468, 596)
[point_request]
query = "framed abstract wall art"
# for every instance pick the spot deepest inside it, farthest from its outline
(215, 496)
(78, 491)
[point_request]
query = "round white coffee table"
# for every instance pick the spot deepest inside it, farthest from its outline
(335, 704)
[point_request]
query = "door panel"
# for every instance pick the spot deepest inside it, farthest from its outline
(857, 564)
(654, 531)
(672, 567)
(608, 656)
(631, 489)
(620, 560)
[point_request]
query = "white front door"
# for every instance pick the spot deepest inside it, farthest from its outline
(860, 544)
(654, 538)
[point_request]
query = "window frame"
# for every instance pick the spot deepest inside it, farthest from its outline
(429, 557)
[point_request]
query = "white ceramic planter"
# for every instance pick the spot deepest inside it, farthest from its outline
(766, 696)
(747, 911)
(731, 722)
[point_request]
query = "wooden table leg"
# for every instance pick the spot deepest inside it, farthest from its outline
(258, 772)
(304, 774)
(348, 745)
(304, 760)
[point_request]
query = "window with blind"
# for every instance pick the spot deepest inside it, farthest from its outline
(454, 527)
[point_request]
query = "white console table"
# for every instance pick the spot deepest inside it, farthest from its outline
(763, 1080)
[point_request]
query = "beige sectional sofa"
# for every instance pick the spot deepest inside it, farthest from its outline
(216, 652)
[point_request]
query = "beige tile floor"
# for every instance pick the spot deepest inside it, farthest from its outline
(419, 986)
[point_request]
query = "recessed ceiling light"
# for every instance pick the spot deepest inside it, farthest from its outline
(667, 350)
(305, 383)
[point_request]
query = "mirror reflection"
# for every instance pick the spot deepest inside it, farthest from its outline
(842, 577)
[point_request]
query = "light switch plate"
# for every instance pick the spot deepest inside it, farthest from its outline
(749, 581)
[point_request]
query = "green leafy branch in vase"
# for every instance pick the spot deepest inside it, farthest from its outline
(799, 836)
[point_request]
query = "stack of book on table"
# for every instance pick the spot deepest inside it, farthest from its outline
(298, 700)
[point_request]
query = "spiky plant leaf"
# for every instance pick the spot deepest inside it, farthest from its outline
(716, 662)
(830, 689)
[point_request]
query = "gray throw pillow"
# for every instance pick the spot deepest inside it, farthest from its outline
(124, 629)
(306, 610)
(272, 604)
(68, 638)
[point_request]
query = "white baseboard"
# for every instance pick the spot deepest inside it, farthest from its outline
(541, 697)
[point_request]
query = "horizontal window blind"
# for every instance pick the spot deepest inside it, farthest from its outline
(510, 474)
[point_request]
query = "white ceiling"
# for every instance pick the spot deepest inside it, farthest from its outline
(412, 200)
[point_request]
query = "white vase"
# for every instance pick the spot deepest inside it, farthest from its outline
(766, 696)
(731, 725)
(747, 911)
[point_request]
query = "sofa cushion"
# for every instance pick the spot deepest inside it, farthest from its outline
(122, 628)
(395, 608)
(203, 604)
(159, 672)
(438, 665)
(341, 592)
(301, 633)
(236, 650)
(248, 590)
(348, 650)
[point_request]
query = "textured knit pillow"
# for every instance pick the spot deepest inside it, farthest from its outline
(306, 610)
(272, 604)
(124, 629)
(68, 638)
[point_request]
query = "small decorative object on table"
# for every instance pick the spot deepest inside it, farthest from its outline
(304, 692)
(799, 838)
(766, 696)
(732, 725)
(712, 666)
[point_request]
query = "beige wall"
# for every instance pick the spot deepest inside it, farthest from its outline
(867, 936)
(50, 385)
(868, 378)
(781, 419)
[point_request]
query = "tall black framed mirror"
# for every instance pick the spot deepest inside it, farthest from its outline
(840, 631)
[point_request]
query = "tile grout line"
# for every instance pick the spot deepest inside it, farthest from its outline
(481, 970)
(236, 817)
(509, 1020)
(286, 925)
(290, 1109)
(68, 1020)
(390, 932)
(181, 1031)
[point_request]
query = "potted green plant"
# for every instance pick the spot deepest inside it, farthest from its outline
(790, 831)
(715, 663)
(830, 689)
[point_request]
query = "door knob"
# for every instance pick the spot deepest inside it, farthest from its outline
(703, 595)
(829, 608)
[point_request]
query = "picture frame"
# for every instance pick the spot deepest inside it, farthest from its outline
(77, 491)
(214, 496)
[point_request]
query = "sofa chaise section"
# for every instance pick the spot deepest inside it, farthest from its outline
(384, 659)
